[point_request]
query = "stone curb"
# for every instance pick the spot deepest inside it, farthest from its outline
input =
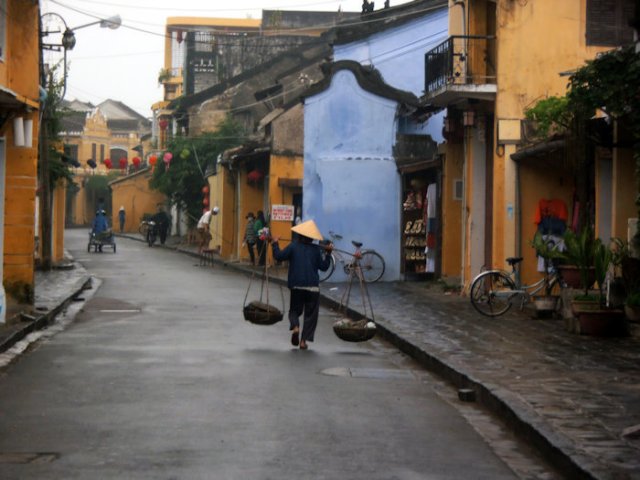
(46, 319)
(555, 448)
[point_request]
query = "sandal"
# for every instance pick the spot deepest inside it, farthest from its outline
(295, 338)
(303, 345)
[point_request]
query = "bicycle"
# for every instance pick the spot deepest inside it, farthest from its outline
(493, 292)
(370, 262)
(143, 228)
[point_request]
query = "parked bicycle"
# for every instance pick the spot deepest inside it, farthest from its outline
(143, 228)
(370, 262)
(493, 292)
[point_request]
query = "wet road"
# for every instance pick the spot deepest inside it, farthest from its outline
(160, 377)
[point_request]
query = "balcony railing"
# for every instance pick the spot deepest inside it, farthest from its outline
(460, 60)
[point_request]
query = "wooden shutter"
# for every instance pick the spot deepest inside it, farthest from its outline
(608, 22)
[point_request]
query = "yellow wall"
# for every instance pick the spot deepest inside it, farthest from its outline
(529, 70)
(624, 192)
(222, 192)
(58, 220)
(283, 167)
(19, 73)
(251, 200)
(134, 194)
(451, 214)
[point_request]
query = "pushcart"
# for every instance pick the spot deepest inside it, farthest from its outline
(100, 240)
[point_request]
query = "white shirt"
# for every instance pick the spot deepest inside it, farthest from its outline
(205, 219)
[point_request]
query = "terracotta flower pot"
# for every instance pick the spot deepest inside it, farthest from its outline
(571, 276)
(603, 323)
(632, 313)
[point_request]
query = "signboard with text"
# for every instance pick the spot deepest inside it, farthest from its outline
(282, 213)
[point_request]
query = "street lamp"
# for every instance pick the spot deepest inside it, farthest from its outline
(52, 23)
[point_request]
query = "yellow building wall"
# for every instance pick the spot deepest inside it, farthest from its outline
(58, 221)
(134, 194)
(527, 70)
(624, 192)
(451, 213)
(19, 73)
(251, 199)
(222, 192)
(283, 167)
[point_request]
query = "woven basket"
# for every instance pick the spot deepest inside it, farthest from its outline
(353, 331)
(261, 313)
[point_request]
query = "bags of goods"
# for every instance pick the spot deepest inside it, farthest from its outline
(354, 330)
(261, 313)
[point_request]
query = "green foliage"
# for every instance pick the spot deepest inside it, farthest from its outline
(633, 299)
(580, 252)
(182, 182)
(550, 115)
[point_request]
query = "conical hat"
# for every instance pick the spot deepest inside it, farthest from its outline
(308, 229)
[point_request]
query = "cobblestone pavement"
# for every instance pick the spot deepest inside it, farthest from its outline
(570, 396)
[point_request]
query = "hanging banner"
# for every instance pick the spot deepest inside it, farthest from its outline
(282, 213)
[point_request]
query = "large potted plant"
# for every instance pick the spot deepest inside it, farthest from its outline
(546, 303)
(578, 256)
(596, 317)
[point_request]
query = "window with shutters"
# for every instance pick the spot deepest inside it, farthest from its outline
(608, 22)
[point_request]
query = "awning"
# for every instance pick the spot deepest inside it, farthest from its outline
(539, 150)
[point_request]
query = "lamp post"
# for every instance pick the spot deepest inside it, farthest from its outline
(56, 26)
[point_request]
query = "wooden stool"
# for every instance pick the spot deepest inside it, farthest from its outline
(206, 257)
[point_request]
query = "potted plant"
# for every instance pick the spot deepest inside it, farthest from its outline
(632, 307)
(546, 304)
(596, 317)
(578, 255)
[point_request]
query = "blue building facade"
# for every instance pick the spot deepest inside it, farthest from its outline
(352, 185)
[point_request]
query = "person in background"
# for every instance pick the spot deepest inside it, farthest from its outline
(163, 221)
(258, 225)
(204, 228)
(250, 236)
(121, 218)
(305, 259)
(100, 226)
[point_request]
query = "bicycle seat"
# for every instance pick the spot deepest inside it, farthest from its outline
(513, 261)
(356, 244)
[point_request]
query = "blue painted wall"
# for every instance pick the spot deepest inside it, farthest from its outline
(351, 183)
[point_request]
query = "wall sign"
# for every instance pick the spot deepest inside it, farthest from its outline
(282, 213)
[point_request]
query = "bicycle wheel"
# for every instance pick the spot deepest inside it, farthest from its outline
(372, 265)
(332, 266)
(489, 293)
(143, 229)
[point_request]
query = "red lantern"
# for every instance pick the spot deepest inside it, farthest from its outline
(167, 157)
(123, 163)
(205, 201)
(136, 161)
(153, 160)
(255, 176)
(205, 189)
(163, 124)
(108, 163)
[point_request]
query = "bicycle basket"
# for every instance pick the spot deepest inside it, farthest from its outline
(354, 331)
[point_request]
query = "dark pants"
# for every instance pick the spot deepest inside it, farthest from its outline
(252, 255)
(304, 301)
(262, 251)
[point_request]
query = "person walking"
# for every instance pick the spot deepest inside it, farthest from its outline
(121, 218)
(258, 225)
(250, 236)
(305, 259)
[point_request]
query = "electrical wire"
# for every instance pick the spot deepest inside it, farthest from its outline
(134, 7)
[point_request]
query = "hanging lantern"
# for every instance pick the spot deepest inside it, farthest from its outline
(205, 201)
(184, 154)
(255, 176)
(167, 157)
(136, 161)
(163, 124)
(123, 163)
(92, 163)
(108, 163)
(205, 189)
(153, 160)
